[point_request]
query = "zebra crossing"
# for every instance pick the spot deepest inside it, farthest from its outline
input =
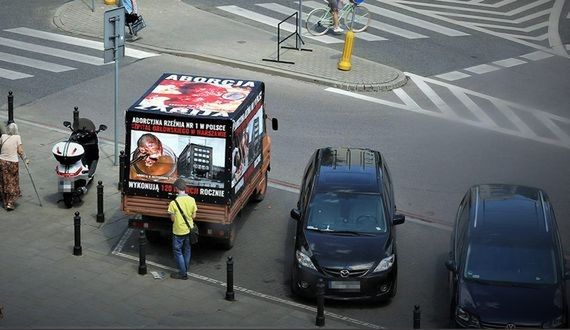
(528, 22)
(442, 100)
(12, 49)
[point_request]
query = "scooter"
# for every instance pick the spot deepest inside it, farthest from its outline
(77, 159)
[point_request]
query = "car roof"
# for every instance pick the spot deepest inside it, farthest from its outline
(513, 213)
(344, 169)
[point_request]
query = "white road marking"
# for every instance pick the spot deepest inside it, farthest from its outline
(72, 56)
(512, 12)
(482, 68)
(13, 75)
(509, 62)
(273, 22)
(535, 56)
(415, 21)
(288, 11)
(483, 120)
(452, 75)
(139, 54)
(38, 64)
(433, 96)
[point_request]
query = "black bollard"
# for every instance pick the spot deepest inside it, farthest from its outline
(100, 213)
(122, 162)
(320, 303)
(230, 295)
(10, 107)
(75, 117)
(77, 230)
(417, 316)
(142, 253)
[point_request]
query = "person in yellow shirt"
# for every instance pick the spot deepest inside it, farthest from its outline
(181, 229)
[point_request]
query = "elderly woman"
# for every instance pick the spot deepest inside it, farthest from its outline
(9, 172)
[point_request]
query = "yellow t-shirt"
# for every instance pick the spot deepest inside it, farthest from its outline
(188, 205)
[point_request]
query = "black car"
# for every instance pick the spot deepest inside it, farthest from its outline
(345, 227)
(506, 265)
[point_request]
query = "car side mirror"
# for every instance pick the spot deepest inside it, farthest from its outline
(102, 127)
(67, 124)
(399, 219)
(274, 124)
(450, 265)
(295, 214)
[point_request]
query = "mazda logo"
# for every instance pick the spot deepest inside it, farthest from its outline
(344, 273)
(510, 326)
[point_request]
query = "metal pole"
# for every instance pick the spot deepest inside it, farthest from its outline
(320, 303)
(122, 160)
(10, 108)
(100, 213)
(116, 52)
(77, 230)
(230, 295)
(142, 253)
(75, 123)
(417, 316)
(299, 20)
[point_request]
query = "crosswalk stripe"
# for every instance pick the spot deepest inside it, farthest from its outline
(273, 22)
(509, 62)
(433, 96)
(288, 11)
(537, 55)
(13, 75)
(415, 21)
(472, 106)
(73, 56)
(482, 68)
(553, 128)
(513, 118)
(380, 25)
(139, 54)
(38, 64)
(495, 12)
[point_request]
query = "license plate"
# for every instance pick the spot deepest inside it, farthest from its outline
(344, 285)
(65, 186)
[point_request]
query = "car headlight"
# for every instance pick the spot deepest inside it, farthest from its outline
(554, 323)
(303, 258)
(466, 318)
(385, 264)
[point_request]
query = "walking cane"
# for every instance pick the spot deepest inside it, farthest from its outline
(33, 184)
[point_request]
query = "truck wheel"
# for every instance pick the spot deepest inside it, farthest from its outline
(68, 200)
(258, 196)
(228, 243)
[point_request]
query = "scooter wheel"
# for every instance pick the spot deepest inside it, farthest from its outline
(68, 200)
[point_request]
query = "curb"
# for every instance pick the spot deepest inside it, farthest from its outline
(400, 80)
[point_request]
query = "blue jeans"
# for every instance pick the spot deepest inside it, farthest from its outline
(182, 252)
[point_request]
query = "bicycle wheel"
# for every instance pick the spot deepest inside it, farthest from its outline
(319, 21)
(357, 19)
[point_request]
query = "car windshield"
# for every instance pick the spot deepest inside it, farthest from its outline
(347, 212)
(511, 264)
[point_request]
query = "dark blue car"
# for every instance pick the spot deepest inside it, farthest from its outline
(345, 231)
(506, 264)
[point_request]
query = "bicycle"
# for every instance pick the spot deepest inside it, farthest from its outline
(352, 16)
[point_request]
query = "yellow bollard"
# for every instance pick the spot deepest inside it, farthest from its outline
(110, 2)
(344, 63)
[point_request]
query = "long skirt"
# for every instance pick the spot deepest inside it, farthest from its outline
(9, 182)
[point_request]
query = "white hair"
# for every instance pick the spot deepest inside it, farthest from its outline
(12, 129)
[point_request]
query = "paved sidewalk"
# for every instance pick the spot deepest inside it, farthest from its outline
(177, 28)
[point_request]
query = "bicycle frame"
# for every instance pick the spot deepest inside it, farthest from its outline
(320, 20)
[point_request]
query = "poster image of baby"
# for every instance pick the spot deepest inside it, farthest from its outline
(152, 157)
